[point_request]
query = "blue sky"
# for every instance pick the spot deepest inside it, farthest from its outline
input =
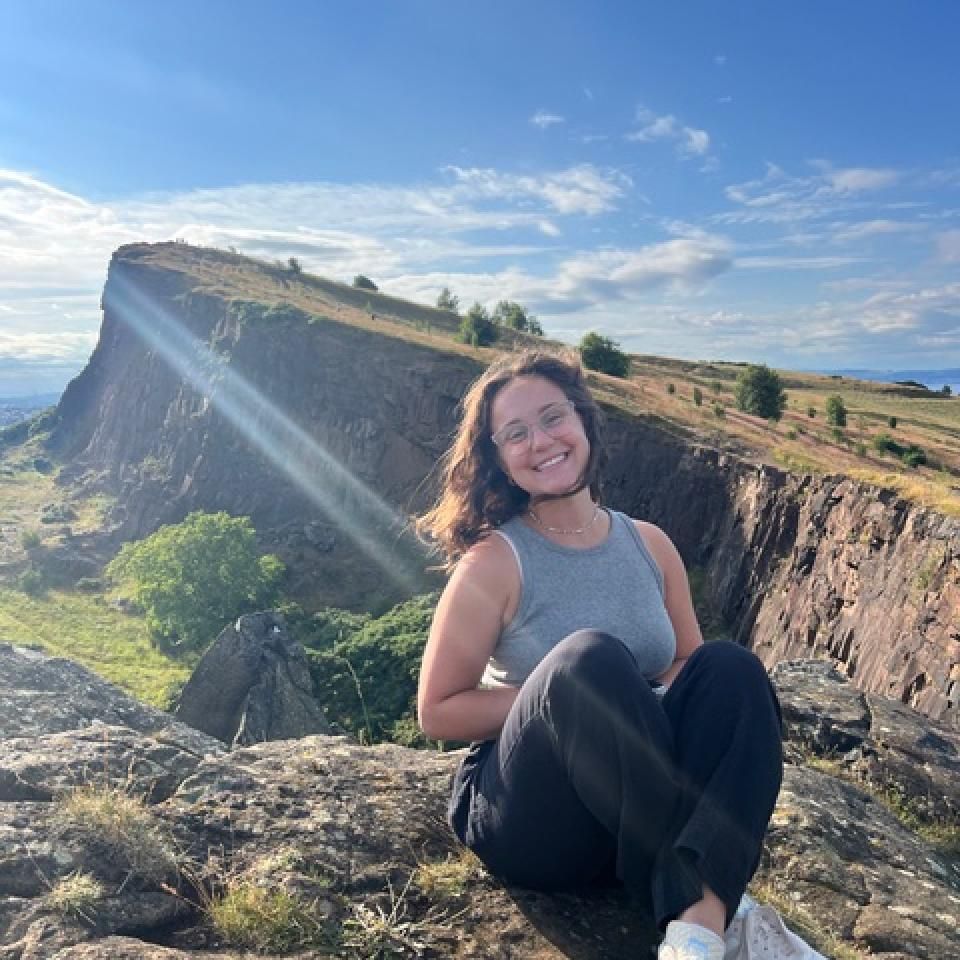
(743, 181)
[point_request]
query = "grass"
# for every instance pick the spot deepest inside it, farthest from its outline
(266, 920)
(373, 933)
(450, 877)
(114, 645)
(111, 819)
(76, 895)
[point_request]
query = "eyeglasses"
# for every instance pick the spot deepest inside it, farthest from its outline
(518, 434)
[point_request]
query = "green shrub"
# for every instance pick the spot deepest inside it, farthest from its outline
(836, 411)
(698, 396)
(448, 300)
(811, 412)
(194, 577)
(507, 313)
(861, 449)
(476, 327)
(603, 354)
(719, 411)
(30, 539)
(913, 456)
(759, 391)
(791, 434)
(892, 423)
(364, 283)
(838, 435)
(884, 443)
(671, 388)
(366, 678)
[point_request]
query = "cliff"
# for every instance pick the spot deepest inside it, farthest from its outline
(218, 383)
(123, 832)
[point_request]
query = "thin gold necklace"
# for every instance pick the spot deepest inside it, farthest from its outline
(583, 529)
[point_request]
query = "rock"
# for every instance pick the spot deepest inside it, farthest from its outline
(42, 695)
(354, 832)
(252, 684)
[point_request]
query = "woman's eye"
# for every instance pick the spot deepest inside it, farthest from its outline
(553, 419)
(517, 435)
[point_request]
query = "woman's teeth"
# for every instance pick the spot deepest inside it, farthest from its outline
(552, 461)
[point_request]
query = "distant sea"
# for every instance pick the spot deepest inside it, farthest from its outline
(934, 379)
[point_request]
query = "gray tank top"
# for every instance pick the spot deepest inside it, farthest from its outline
(615, 587)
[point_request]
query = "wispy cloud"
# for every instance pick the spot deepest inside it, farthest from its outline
(948, 246)
(543, 119)
(687, 140)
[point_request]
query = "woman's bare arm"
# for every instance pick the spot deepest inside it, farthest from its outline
(677, 598)
(466, 626)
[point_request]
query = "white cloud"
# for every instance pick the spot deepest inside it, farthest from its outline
(720, 59)
(858, 179)
(797, 263)
(581, 189)
(687, 140)
(542, 119)
(855, 232)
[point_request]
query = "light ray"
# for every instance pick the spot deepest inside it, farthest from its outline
(366, 519)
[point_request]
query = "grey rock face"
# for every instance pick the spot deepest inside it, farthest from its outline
(253, 684)
(348, 830)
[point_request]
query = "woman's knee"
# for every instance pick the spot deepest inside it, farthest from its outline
(731, 671)
(593, 654)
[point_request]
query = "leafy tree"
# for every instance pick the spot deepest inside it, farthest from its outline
(759, 390)
(365, 670)
(364, 283)
(295, 265)
(194, 577)
(601, 353)
(507, 313)
(448, 300)
(476, 327)
(946, 390)
(836, 411)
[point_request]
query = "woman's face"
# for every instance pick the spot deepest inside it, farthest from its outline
(553, 457)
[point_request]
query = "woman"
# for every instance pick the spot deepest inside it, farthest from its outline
(606, 735)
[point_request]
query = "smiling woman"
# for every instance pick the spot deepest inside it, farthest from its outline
(608, 740)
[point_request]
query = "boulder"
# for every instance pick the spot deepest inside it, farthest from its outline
(356, 836)
(253, 684)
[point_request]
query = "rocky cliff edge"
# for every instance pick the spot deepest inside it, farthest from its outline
(123, 831)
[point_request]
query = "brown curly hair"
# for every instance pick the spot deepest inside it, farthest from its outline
(476, 495)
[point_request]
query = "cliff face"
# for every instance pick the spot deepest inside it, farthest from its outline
(194, 399)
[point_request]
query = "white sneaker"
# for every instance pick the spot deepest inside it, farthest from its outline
(757, 932)
(690, 941)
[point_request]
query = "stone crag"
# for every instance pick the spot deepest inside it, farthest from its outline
(357, 832)
(799, 566)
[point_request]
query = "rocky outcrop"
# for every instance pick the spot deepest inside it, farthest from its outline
(295, 419)
(354, 838)
(252, 684)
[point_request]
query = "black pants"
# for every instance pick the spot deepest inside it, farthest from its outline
(593, 775)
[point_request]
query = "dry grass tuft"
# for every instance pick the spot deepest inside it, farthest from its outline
(449, 877)
(109, 818)
(269, 921)
(76, 895)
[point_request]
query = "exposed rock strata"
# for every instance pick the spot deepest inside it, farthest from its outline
(342, 825)
(802, 567)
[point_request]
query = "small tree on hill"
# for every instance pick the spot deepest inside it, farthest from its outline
(836, 411)
(193, 578)
(601, 353)
(507, 313)
(364, 283)
(476, 327)
(759, 390)
(294, 265)
(448, 300)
